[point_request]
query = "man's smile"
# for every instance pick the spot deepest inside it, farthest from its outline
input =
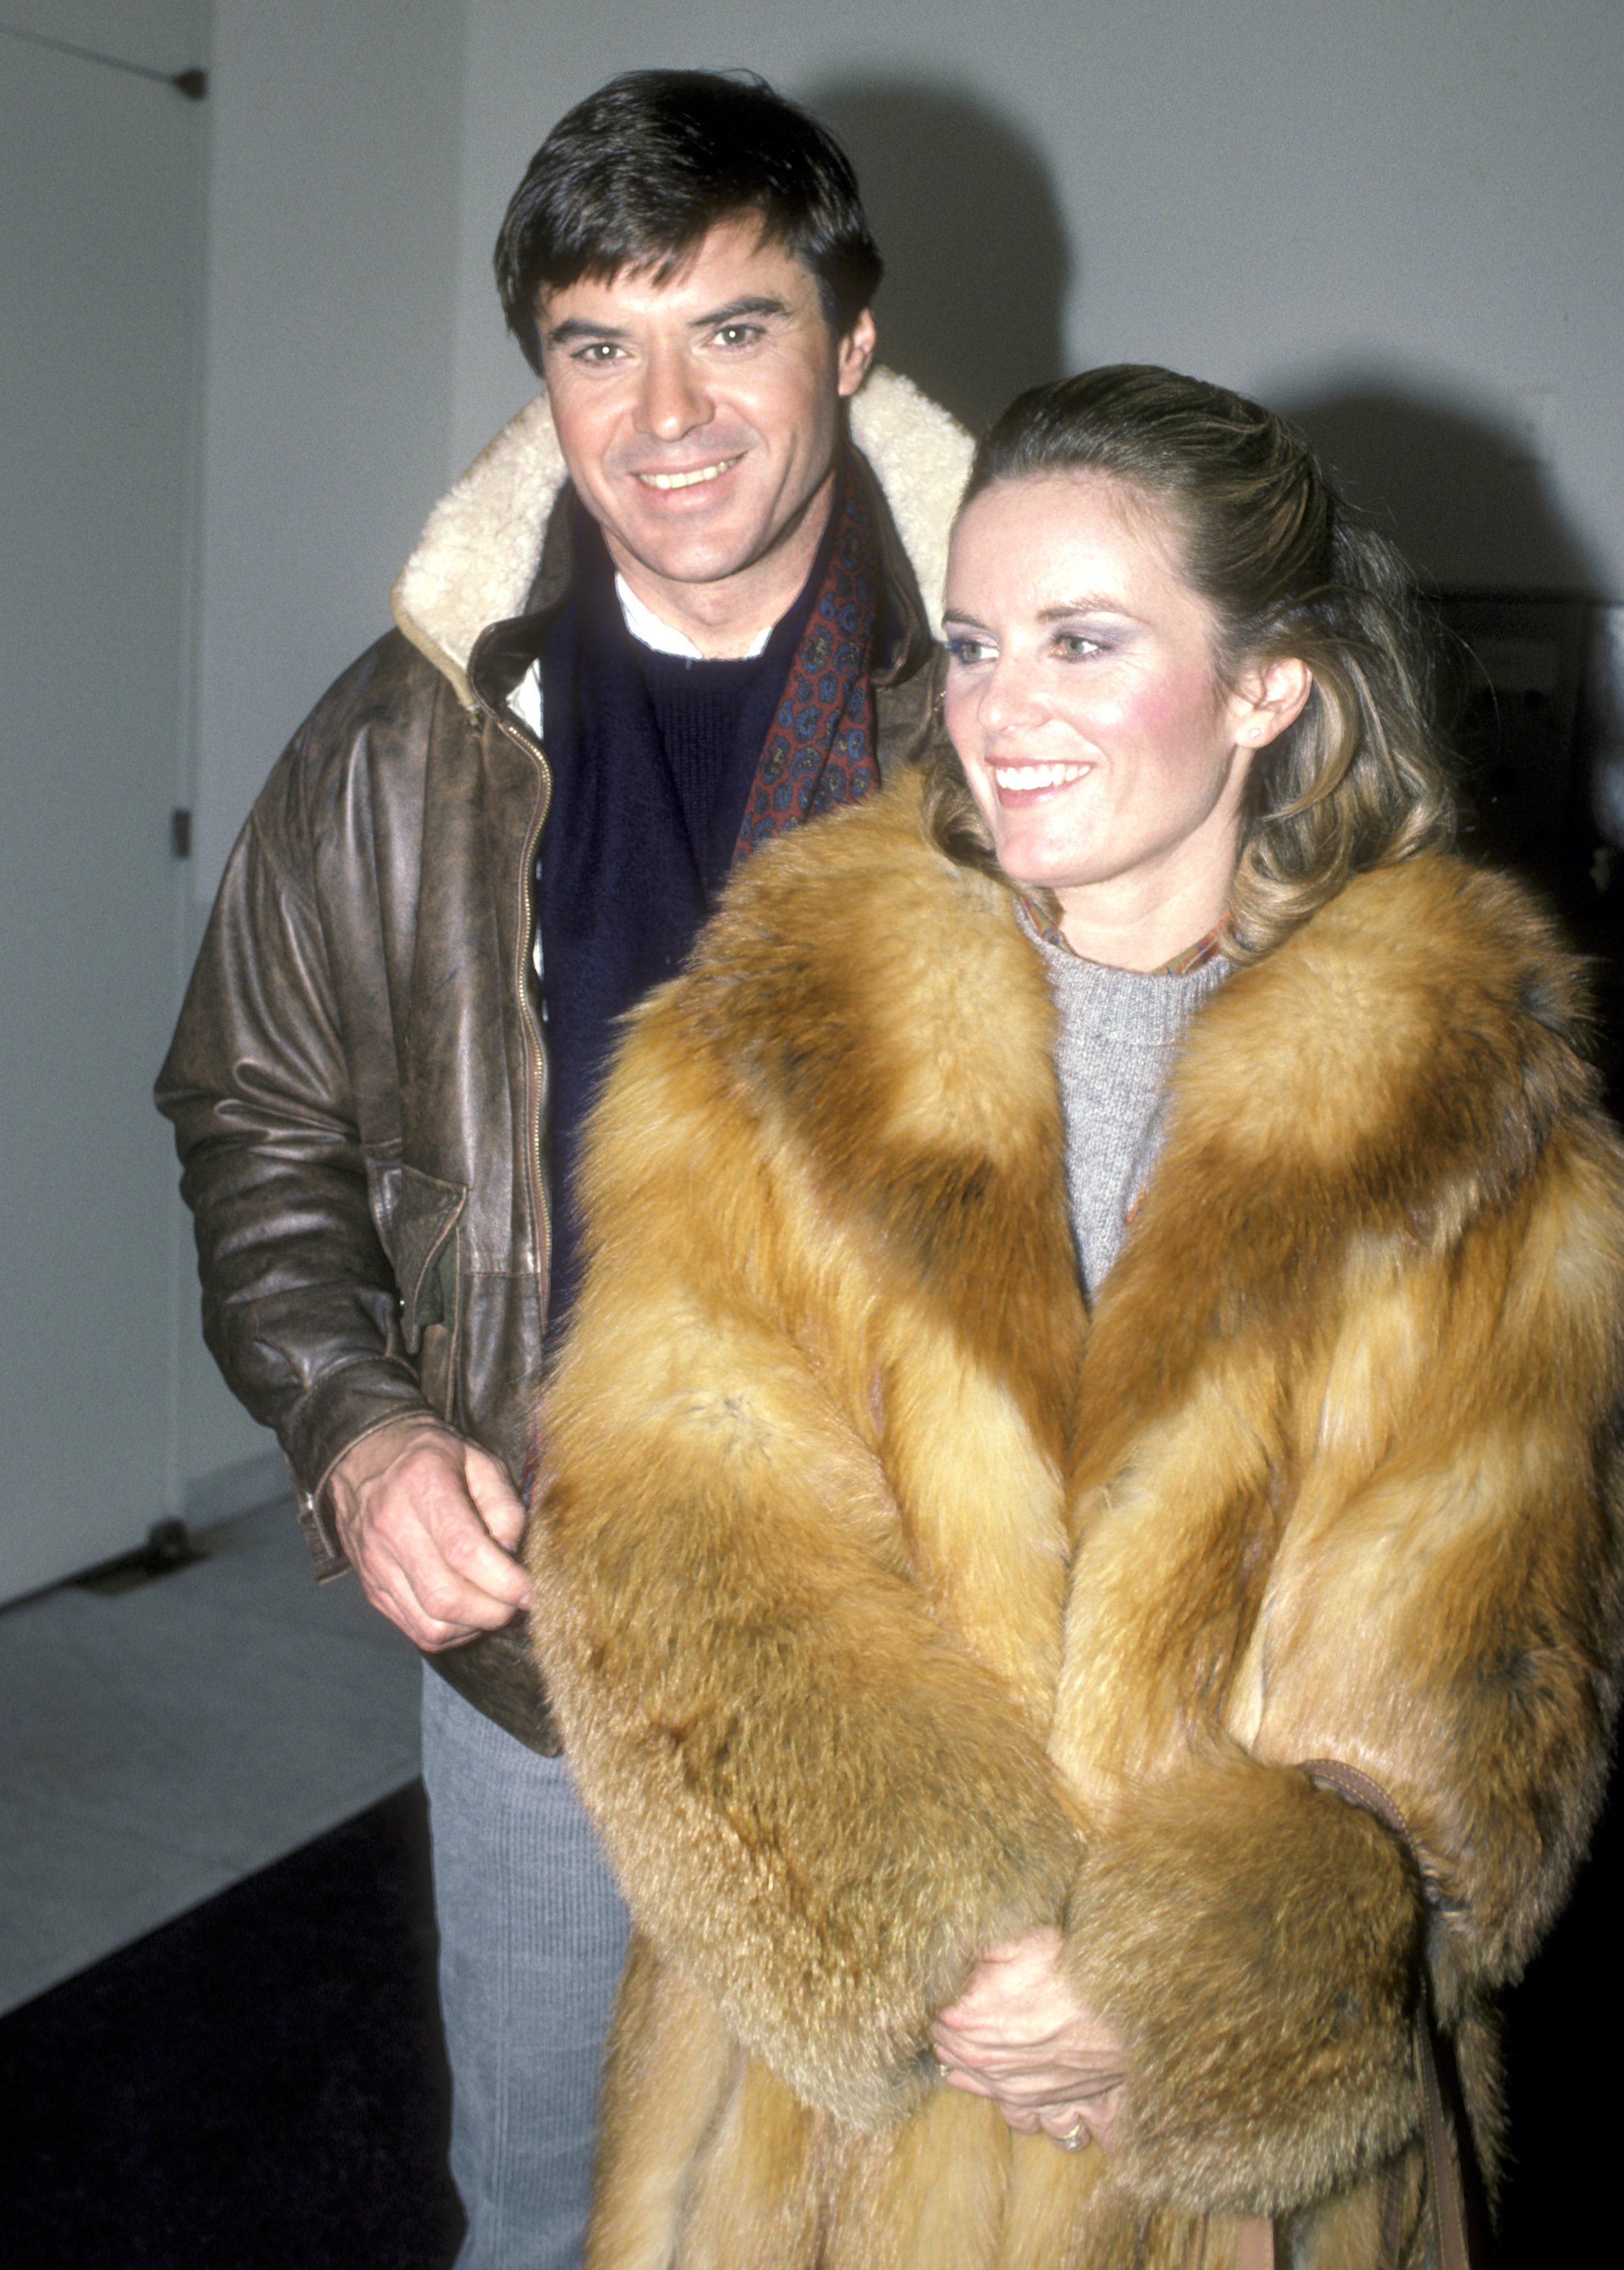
(688, 480)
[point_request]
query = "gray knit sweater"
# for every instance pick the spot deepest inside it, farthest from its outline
(1118, 1031)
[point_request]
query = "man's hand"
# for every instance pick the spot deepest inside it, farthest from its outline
(1019, 2034)
(431, 1523)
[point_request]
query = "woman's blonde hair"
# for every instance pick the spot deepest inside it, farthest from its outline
(1359, 780)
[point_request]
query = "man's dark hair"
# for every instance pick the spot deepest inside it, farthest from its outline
(634, 177)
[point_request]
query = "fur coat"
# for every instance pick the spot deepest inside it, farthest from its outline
(892, 1603)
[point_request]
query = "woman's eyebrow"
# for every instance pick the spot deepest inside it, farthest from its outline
(1092, 603)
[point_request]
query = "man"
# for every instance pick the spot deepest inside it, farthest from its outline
(678, 563)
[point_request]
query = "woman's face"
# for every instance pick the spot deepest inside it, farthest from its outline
(1105, 754)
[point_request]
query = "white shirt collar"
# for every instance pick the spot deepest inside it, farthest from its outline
(649, 629)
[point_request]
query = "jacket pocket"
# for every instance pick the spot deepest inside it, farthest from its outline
(424, 1250)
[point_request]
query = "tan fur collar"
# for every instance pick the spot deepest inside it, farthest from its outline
(848, 976)
(477, 558)
(1402, 1055)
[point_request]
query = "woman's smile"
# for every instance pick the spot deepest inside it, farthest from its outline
(1016, 784)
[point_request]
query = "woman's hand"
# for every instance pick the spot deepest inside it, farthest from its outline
(1019, 2034)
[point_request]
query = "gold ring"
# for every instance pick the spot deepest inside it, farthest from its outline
(1076, 2140)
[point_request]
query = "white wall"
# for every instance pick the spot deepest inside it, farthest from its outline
(100, 177)
(331, 285)
(1400, 218)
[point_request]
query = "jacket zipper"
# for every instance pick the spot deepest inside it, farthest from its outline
(537, 1058)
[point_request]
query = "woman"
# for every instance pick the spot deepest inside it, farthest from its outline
(1105, 1289)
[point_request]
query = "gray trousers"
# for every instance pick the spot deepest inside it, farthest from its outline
(532, 1937)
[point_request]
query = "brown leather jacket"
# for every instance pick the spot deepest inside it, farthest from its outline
(358, 1082)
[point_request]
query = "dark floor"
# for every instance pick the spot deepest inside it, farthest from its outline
(257, 2086)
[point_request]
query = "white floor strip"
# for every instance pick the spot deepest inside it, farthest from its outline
(159, 1744)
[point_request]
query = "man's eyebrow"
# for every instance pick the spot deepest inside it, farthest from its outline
(574, 329)
(759, 304)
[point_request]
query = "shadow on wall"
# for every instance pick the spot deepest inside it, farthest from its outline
(977, 261)
(1463, 497)
(1531, 699)
(1464, 501)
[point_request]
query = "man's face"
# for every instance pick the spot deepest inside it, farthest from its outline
(698, 418)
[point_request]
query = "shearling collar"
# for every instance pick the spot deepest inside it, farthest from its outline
(476, 558)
